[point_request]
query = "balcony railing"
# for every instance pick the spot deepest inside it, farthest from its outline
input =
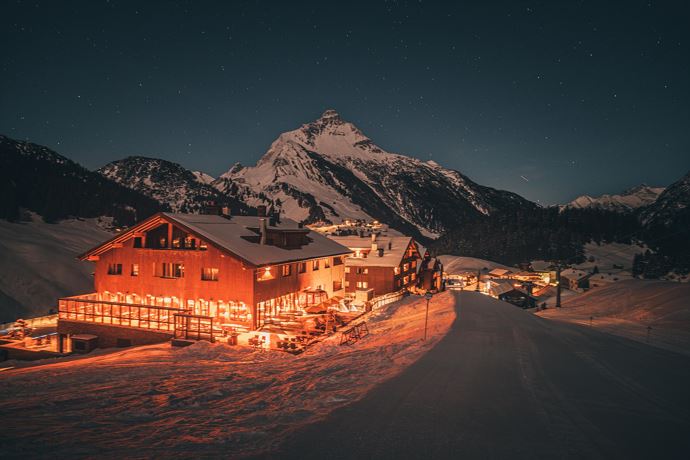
(89, 309)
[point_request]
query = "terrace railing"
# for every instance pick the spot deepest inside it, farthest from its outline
(193, 327)
(385, 299)
(87, 308)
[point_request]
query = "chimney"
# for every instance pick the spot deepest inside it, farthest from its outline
(225, 211)
(374, 244)
(262, 230)
(380, 252)
(390, 245)
(261, 210)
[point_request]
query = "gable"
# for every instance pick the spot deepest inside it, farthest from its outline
(235, 236)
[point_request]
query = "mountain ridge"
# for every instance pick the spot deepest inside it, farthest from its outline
(169, 183)
(307, 173)
(629, 200)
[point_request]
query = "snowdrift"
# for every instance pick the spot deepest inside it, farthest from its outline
(206, 399)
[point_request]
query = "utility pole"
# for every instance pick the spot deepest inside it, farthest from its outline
(558, 285)
(428, 296)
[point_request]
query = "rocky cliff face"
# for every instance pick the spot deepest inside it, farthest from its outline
(169, 183)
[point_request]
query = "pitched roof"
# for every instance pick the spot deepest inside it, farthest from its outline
(236, 235)
(542, 265)
(499, 272)
(574, 274)
(500, 287)
(394, 248)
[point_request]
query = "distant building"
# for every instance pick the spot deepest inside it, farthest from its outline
(430, 273)
(500, 273)
(508, 291)
(382, 264)
(575, 279)
(223, 273)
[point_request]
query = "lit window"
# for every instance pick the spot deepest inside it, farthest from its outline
(115, 269)
(209, 274)
(406, 267)
(396, 270)
(406, 280)
(362, 284)
(315, 265)
(135, 270)
(413, 264)
(264, 274)
(326, 263)
(170, 270)
(286, 270)
(347, 269)
(414, 276)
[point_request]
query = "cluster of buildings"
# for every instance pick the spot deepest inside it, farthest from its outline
(252, 279)
(526, 287)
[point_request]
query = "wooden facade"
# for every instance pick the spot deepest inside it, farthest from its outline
(382, 264)
(168, 262)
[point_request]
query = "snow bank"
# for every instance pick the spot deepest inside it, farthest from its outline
(39, 265)
(457, 264)
(628, 307)
(206, 399)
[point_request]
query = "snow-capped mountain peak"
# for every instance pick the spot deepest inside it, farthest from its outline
(328, 170)
(631, 199)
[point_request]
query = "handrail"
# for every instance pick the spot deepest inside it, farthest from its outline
(110, 302)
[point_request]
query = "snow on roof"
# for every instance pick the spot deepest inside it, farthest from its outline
(499, 272)
(541, 266)
(229, 233)
(394, 248)
(500, 287)
(571, 273)
(84, 337)
(237, 235)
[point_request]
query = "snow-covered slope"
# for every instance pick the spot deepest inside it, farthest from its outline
(167, 182)
(458, 264)
(674, 201)
(628, 307)
(35, 178)
(636, 197)
(39, 265)
(203, 177)
(328, 170)
(206, 400)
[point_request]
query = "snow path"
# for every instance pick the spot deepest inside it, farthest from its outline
(207, 400)
(504, 383)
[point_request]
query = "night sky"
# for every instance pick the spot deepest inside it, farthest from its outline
(550, 100)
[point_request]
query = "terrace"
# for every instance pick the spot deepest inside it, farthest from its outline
(289, 323)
